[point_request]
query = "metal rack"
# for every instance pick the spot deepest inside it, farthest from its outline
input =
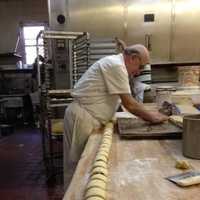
(82, 52)
(101, 47)
(80, 58)
(54, 100)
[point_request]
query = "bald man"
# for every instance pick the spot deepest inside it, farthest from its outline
(98, 94)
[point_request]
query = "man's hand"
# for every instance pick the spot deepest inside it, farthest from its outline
(138, 109)
(157, 117)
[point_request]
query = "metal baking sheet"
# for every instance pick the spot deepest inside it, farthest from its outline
(136, 128)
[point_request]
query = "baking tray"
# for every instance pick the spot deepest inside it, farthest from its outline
(136, 128)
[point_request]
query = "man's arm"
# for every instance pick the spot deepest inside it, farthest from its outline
(138, 109)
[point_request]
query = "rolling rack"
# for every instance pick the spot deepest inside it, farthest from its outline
(101, 47)
(53, 98)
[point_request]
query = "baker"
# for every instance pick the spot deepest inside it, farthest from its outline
(97, 96)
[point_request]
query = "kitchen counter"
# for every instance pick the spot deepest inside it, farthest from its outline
(137, 170)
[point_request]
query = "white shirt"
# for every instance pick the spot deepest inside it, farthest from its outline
(98, 89)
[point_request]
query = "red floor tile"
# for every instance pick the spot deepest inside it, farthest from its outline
(22, 171)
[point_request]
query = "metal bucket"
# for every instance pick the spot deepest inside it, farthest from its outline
(191, 136)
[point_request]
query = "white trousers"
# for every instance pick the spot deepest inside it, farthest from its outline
(78, 125)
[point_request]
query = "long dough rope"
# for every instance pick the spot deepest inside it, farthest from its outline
(96, 186)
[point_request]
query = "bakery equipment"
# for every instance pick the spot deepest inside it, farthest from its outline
(191, 136)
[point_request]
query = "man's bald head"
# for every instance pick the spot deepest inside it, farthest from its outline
(140, 50)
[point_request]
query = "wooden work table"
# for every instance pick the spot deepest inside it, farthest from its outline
(137, 170)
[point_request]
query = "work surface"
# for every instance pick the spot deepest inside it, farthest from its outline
(140, 129)
(137, 170)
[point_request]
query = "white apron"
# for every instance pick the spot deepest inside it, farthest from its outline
(78, 125)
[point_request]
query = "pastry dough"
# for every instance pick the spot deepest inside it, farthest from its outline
(107, 131)
(96, 183)
(99, 177)
(100, 170)
(182, 164)
(107, 135)
(107, 142)
(105, 149)
(103, 153)
(95, 192)
(101, 157)
(189, 181)
(94, 198)
(107, 138)
(96, 186)
(107, 146)
(100, 164)
(177, 120)
(109, 125)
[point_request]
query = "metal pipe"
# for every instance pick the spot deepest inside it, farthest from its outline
(63, 33)
(70, 63)
(59, 37)
(148, 41)
(38, 65)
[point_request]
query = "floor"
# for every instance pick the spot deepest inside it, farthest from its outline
(22, 171)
